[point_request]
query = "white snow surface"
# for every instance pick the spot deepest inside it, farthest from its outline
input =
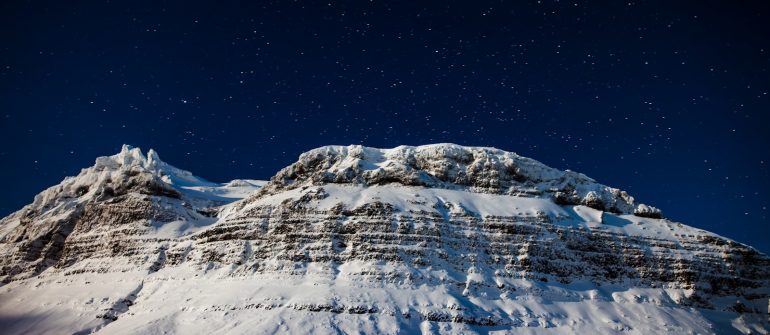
(182, 301)
(317, 299)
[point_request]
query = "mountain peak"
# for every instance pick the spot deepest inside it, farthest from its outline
(452, 166)
(414, 239)
(130, 173)
(131, 157)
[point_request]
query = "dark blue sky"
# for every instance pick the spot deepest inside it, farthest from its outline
(667, 100)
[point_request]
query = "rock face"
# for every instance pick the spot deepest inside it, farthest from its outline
(432, 239)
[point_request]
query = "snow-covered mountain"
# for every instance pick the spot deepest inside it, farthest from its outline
(430, 239)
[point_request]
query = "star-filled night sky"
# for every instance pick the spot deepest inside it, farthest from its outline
(667, 100)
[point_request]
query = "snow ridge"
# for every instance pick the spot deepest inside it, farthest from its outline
(476, 169)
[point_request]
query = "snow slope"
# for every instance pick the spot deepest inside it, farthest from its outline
(437, 239)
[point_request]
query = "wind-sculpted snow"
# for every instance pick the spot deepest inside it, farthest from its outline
(431, 239)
